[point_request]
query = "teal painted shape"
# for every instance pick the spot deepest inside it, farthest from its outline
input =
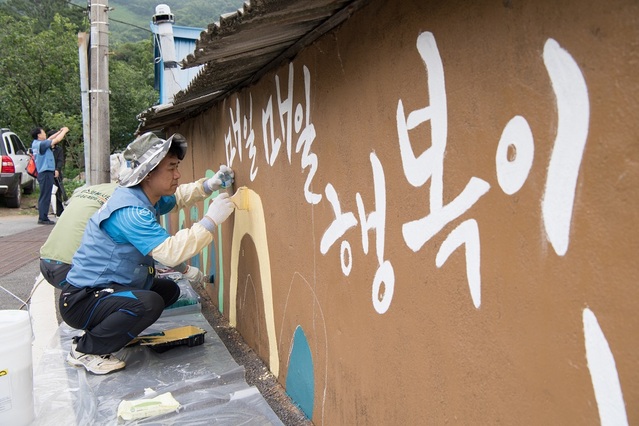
(211, 254)
(195, 260)
(300, 379)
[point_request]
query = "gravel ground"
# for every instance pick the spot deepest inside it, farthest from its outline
(257, 374)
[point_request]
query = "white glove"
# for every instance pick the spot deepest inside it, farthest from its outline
(221, 208)
(221, 179)
(193, 274)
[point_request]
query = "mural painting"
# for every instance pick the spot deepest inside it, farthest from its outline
(391, 266)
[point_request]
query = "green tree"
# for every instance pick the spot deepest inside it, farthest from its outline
(39, 76)
(40, 82)
(131, 85)
(43, 11)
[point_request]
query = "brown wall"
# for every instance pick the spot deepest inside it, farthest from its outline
(500, 133)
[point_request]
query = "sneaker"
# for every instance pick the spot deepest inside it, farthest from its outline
(46, 222)
(96, 364)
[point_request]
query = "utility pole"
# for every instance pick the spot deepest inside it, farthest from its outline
(83, 55)
(99, 93)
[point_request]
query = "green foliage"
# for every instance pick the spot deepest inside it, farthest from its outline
(71, 185)
(40, 82)
(200, 13)
(131, 85)
(73, 143)
(126, 26)
(189, 13)
(137, 55)
(39, 72)
(43, 11)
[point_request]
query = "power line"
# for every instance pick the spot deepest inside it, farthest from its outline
(69, 2)
(126, 23)
(73, 4)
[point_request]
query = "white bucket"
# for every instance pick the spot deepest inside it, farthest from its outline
(16, 368)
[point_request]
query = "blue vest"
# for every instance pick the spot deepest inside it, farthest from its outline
(44, 160)
(100, 261)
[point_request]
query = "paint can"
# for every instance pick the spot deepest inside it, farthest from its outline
(16, 368)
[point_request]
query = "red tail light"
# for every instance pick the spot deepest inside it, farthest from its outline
(7, 165)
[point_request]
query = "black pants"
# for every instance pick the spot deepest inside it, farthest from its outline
(59, 196)
(113, 316)
(45, 180)
(54, 272)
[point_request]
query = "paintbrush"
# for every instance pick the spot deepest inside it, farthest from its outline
(241, 198)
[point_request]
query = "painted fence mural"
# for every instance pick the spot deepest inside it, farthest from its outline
(442, 221)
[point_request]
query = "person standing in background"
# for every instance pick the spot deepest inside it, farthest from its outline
(58, 155)
(45, 163)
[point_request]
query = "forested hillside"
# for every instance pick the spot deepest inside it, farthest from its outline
(129, 20)
(39, 71)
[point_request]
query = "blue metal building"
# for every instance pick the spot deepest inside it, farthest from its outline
(184, 39)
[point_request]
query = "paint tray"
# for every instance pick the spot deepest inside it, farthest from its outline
(161, 342)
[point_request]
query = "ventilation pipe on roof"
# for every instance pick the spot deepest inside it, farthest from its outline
(164, 20)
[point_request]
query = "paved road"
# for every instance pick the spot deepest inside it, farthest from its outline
(20, 241)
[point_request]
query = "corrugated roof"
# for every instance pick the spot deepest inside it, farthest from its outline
(244, 45)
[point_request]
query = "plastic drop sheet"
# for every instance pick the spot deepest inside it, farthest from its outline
(204, 379)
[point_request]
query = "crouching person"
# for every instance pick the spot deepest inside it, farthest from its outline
(64, 240)
(65, 237)
(111, 291)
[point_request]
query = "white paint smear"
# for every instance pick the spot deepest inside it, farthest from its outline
(603, 372)
(573, 109)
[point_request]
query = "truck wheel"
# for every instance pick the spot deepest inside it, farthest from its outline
(13, 201)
